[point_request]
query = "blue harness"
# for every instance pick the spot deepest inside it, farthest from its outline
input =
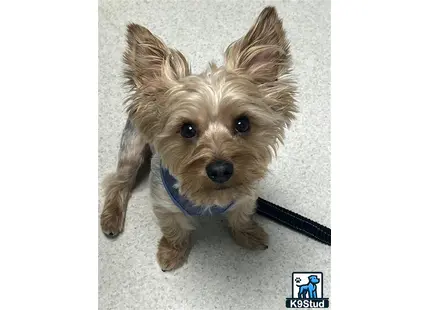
(186, 206)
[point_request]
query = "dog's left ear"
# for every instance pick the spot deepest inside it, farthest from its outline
(263, 53)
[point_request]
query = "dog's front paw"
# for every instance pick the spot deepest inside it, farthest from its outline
(251, 236)
(171, 257)
(112, 220)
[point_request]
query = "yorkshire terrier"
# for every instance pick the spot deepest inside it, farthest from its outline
(209, 137)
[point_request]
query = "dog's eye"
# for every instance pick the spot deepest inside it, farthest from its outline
(241, 124)
(188, 130)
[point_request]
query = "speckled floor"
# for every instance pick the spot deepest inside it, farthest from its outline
(219, 274)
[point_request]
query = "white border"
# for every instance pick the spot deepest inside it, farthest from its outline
(49, 155)
(380, 153)
(48, 127)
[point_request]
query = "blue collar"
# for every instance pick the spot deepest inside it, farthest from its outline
(186, 206)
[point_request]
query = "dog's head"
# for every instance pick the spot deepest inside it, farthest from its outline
(217, 131)
(314, 279)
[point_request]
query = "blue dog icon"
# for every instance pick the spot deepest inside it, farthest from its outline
(309, 289)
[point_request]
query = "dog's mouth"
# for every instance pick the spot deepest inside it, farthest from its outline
(222, 187)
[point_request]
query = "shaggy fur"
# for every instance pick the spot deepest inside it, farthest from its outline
(254, 82)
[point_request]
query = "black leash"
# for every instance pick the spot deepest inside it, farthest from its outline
(294, 221)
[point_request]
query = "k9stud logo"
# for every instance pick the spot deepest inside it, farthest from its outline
(307, 291)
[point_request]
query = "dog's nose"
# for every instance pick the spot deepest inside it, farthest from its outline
(219, 171)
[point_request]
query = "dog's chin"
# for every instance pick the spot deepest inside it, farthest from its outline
(222, 187)
(218, 194)
(221, 195)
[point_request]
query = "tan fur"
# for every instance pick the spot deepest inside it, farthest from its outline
(169, 256)
(119, 185)
(245, 231)
(174, 245)
(255, 81)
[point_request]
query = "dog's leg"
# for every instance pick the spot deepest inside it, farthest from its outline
(314, 292)
(245, 231)
(305, 292)
(132, 155)
(174, 246)
(301, 294)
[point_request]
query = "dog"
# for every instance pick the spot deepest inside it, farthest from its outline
(309, 289)
(207, 139)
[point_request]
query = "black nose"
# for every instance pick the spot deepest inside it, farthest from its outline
(219, 171)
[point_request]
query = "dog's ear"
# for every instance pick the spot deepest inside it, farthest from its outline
(151, 69)
(263, 54)
(149, 61)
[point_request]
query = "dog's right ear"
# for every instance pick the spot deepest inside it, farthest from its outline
(151, 69)
(149, 61)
